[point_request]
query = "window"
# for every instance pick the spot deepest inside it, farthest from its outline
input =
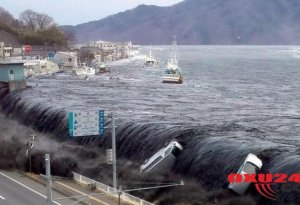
(70, 59)
(249, 168)
(11, 72)
(168, 151)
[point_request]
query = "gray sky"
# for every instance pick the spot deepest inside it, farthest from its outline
(73, 12)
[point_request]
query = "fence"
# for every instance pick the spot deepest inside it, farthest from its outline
(109, 190)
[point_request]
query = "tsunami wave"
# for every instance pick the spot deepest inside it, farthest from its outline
(211, 152)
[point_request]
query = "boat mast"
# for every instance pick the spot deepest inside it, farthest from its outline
(174, 50)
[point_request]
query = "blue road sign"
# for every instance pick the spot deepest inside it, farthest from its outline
(51, 54)
(86, 123)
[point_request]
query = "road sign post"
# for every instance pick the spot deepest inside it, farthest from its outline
(49, 181)
(113, 135)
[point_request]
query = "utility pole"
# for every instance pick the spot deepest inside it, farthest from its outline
(30, 146)
(113, 135)
(119, 193)
(49, 182)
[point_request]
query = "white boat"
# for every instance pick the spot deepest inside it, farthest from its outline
(150, 60)
(84, 70)
(172, 72)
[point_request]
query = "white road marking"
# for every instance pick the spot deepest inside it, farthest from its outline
(27, 187)
(2, 197)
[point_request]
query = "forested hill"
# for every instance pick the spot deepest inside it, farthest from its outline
(201, 22)
(31, 28)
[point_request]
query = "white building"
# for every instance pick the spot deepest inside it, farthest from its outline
(1, 49)
(40, 67)
(66, 60)
(8, 50)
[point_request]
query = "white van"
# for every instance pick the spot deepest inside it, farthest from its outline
(163, 160)
(251, 165)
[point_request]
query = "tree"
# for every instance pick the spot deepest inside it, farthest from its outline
(35, 20)
(43, 20)
(86, 56)
(28, 18)
(7, 18)
(52, 36)
(40, 29)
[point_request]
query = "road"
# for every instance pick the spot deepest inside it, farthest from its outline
(17, 189)
(29, 189)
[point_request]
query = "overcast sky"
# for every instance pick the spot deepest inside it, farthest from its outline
(73, 12)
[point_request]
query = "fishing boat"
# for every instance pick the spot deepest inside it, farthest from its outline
(172, 72)
(150, 60)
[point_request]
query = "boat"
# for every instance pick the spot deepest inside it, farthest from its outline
(150, 60)
(84, 70)
(103, 68)
(172, 72)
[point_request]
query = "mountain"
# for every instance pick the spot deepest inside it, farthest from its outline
(201, 22)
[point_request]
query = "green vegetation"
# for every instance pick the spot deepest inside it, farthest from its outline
(34, 28)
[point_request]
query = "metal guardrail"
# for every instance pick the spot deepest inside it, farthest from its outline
(109, 190)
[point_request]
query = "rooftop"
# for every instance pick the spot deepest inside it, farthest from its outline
(6, 62)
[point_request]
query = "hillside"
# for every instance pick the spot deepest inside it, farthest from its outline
(201, 22)
(8, 35)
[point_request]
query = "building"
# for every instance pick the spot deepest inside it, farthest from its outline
(1, 50)
(66, 60)
(40, 67)
(13, 74)
(8, 50)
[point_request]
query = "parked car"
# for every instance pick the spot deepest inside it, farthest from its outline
(162, 160)
(251, 165)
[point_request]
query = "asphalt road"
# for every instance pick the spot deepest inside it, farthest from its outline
(17, 189)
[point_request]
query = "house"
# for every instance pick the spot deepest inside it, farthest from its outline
(13, 74)
(8, 50)
(66, 60)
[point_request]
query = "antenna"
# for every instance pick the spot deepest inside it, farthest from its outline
(174, 42)
(174, 50)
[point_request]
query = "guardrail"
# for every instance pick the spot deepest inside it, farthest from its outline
(109, 190)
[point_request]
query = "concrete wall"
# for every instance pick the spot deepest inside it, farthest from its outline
(16, 85)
